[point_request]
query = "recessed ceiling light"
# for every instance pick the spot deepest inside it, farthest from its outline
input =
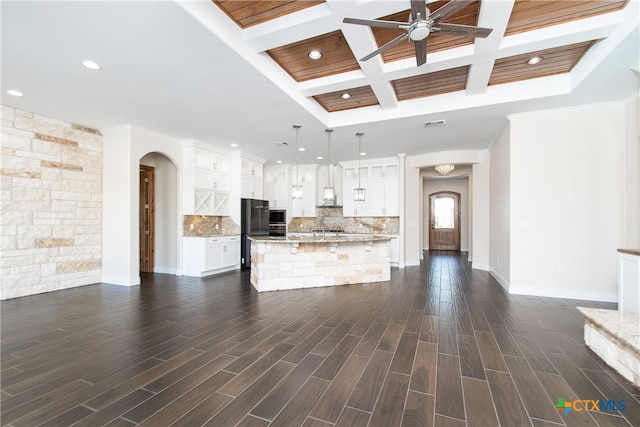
(91, 65)
(301, 149)
(278, 161)
(345, 95)
(319, 158)
(14, 92)
(234, 145)
(315, 54)
(363, 153)
(534, 60)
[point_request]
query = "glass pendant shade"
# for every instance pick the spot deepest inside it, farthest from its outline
(329, 192)
(296, 189)
(359, 193)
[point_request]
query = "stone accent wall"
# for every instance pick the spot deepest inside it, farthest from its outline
(51, 193)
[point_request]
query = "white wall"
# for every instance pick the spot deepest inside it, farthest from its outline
(458, 185)
(166, 213)
(123, 148)
(567, 190)
(500, 186)
(632, 175)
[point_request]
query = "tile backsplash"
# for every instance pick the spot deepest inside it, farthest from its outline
(333, 220)
(206, 225)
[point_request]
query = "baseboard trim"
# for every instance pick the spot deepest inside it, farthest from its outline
(121, 281)
(166, 270)
(554, 292)
(565, 293)
(479, 266)
(501, 280)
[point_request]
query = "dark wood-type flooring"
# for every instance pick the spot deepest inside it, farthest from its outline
(440, 344)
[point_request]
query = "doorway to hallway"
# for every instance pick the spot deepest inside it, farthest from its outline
(147, 216)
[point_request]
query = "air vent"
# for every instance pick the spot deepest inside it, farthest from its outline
(434, 123)
(281, 144)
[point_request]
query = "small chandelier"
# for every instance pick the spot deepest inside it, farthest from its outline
(359, 193)
(296, 189)
(329, 191)
(444, 170)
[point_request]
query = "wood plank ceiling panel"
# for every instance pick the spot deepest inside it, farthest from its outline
(533, 14)
(336, 57)
(360, 97)
(466, 16)
(248, 13)
(558, 60)
(437, 83)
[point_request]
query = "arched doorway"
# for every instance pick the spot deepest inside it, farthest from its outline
(158, 213)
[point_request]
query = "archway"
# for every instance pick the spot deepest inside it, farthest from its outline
(165, 208)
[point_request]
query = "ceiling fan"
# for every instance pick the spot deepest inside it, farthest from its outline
(422, 23)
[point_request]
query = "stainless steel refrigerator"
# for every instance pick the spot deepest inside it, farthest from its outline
(254, 221)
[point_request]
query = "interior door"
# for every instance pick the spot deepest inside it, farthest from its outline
(146, 218)
(444, 221)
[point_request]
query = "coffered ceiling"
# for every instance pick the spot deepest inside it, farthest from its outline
(455, 63)
(233, 71)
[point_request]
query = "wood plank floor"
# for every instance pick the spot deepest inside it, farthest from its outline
(439, 344)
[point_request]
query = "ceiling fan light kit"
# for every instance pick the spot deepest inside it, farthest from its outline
(422, 23)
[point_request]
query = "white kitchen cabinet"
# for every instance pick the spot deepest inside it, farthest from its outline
(252, 188)
(379, 178)
(276, 186)
(203, 256)
(305, 207)
(207, 180)
(249, 170)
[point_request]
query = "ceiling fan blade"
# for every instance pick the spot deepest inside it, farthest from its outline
(418, 7)
(382, 48)
(375, 23)
(421, 51)
(460, 30)
(449, 9)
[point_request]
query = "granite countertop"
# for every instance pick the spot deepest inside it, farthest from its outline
(623, 325)
(319, 239)
(630, 251)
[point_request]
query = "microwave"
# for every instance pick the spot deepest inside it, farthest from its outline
(277, 216)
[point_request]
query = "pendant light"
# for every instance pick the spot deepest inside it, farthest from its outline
(329, 191)
(359, 193)
(296, 189)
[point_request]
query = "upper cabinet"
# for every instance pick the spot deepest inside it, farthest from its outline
(207, 180)
(379, 178)
(276, 186)
(249, 170)
(305, 176)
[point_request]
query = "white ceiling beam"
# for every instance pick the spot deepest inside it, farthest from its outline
(493, 14)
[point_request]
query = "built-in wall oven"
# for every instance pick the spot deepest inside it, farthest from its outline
(277, 222)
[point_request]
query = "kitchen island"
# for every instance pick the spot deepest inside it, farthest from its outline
(307, 262)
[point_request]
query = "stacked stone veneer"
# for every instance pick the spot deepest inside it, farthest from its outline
(296, 265)
(615, 337)
(51, 216)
